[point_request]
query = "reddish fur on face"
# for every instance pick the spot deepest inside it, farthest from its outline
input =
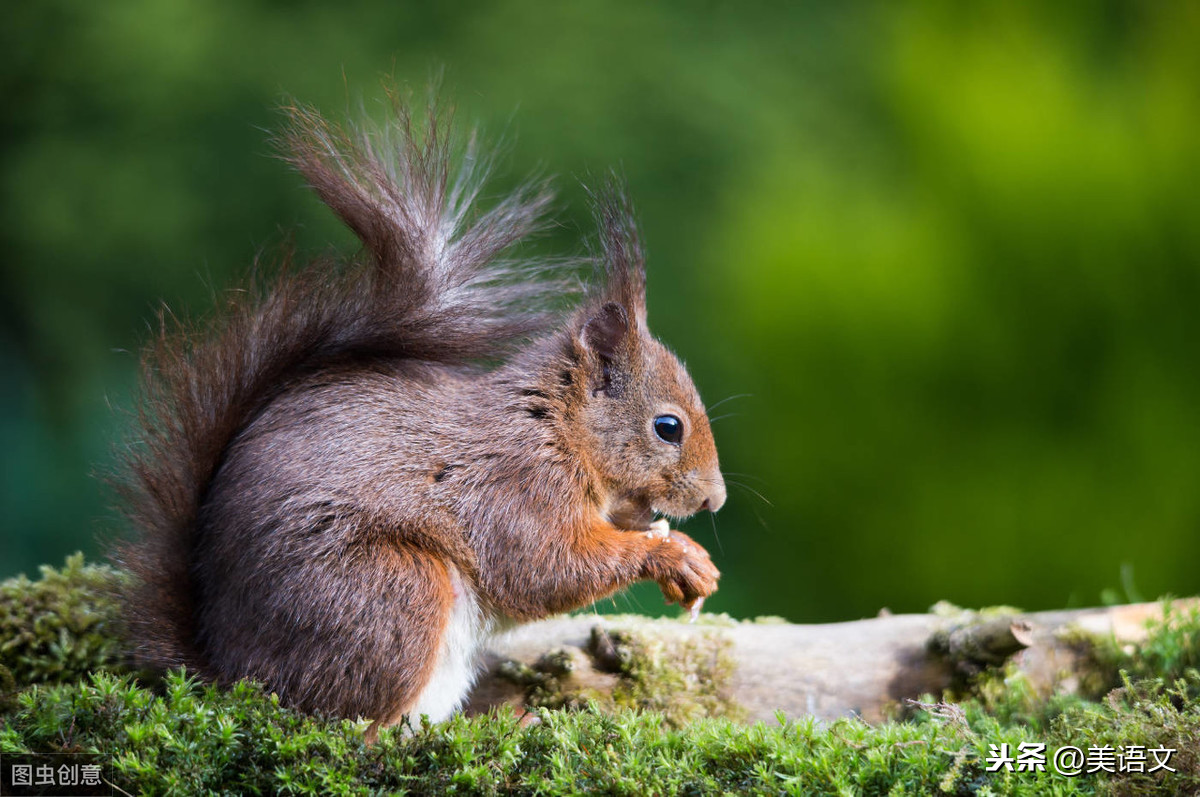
(326, 473)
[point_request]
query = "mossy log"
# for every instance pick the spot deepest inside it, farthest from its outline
(64, 626)
(757, 670)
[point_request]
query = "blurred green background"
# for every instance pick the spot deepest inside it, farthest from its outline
(952, 254)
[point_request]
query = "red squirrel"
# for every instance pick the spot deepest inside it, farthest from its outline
(358, 471)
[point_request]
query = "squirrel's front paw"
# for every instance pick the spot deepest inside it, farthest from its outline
(684, 571)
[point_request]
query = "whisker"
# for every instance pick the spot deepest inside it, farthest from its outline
(720, 548)
(726, 415)
(751, 490)
(759, 517)
(742, 475)
(632, 604)
(730, 398)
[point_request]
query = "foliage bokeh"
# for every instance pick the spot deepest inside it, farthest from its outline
(951, 254)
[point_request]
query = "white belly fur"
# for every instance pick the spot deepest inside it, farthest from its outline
(457, 665)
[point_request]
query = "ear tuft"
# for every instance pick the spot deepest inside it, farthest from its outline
(621, 255)
(604, 332)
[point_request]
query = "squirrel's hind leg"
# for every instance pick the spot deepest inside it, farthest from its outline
(437, 629)
(364, 625)
(355, 633)
(465, 630)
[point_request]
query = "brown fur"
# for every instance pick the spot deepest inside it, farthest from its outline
(326, 467)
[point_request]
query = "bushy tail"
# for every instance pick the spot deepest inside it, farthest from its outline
(433, 284)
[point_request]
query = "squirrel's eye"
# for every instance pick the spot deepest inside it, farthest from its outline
(668, 428)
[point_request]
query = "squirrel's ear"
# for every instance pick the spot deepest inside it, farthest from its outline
(608, 335)
(605, 332)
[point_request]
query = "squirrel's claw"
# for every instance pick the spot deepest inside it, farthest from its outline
(685, 573)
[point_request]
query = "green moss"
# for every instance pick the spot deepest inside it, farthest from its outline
(684, 678)
(1119, 695)
(973, 641)
(1169, 657)
(198, 739)
(639, 664)
(1170, 652)
(549, 682)
(768, 619)
(60, 627)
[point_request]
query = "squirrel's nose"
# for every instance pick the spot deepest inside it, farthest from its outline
(716, 494)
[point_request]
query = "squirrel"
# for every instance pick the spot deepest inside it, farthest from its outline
(359, 470)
